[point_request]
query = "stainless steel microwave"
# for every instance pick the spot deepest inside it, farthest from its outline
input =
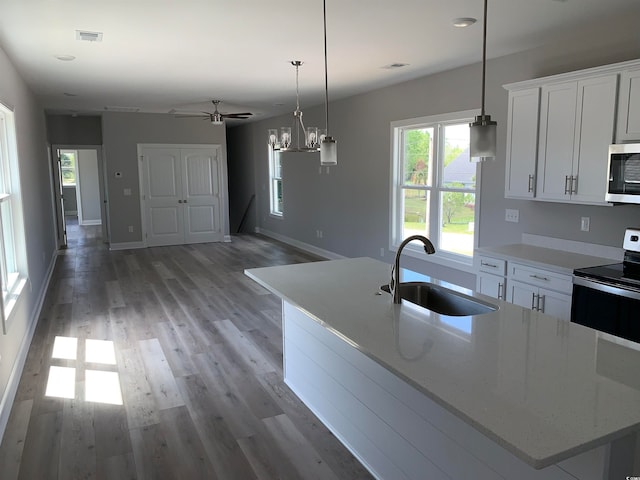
(624, 173)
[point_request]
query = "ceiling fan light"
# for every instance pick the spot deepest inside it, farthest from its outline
(482, 139)
(328, 151)
(216, 119)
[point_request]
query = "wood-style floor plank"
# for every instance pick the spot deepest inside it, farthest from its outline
(198, 359)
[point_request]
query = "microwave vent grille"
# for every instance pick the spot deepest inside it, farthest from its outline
(632, 169)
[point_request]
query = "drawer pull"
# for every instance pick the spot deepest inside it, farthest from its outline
(567, 185)
(500, 287)
(538, 277)
(533, 301)
(530, 189)
(485, 264)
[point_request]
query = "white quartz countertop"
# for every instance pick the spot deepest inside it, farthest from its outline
(555, 260)
(542, 388)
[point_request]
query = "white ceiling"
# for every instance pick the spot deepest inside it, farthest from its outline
(165, 55)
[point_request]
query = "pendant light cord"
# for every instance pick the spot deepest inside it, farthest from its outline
(326, 76)
(484, 55)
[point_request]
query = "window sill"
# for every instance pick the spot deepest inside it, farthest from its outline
(11, 299)
(279, 216)
(450, 261)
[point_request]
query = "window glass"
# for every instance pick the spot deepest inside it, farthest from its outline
(435, 184)
(68, 167)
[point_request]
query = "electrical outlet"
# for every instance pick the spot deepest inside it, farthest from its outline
(512, 215)
(585, 224)
(130, 228)
(382, 251)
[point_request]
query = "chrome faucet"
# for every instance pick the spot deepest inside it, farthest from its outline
(395, 270)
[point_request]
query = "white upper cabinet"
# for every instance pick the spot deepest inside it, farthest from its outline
(629, 106)
(559, 151)
(522, 143)
(577, 122)
(557, 130)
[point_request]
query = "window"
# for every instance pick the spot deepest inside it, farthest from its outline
(12, 261)
(275, 183)
(68, 167)
(434, 185)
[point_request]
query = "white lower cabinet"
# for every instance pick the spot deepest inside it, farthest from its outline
(546, 301)
(491, 285)
(525, 285)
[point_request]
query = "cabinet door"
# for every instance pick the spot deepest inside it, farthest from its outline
(629, 106)
(522, 143)
(594, 132)
(555, 304)
(491, 285)
(556, 143)
(522, 294)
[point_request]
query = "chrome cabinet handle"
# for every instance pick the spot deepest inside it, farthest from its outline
(567, 185)
(179, 201)
(530, 186)
(485, 264)
(538, 305)
(574, 184)
(533, 301)
(184, 201)
(538, 277)
(500, 287)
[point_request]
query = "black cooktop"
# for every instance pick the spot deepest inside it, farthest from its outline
(615, 274)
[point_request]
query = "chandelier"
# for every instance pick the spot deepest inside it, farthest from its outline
(315, 139)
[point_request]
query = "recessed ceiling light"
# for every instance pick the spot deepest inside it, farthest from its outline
(392, 66)
(463, 22)
(65, 58)
(88, 36)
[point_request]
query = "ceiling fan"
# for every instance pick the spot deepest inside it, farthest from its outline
(217, 118)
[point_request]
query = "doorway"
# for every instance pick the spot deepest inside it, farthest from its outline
(79, 186)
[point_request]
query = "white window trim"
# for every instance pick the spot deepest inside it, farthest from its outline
(272, 194)
(447, 259)
(17, 280)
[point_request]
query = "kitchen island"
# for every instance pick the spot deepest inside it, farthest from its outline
(414, 394)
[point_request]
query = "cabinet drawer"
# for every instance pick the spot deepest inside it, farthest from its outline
(541, 278)
(492, 265)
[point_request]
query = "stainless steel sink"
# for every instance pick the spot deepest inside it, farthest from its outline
(440, 299)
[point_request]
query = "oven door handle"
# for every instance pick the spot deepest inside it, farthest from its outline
(628, 292)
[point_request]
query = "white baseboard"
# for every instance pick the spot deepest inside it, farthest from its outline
(126, 245)
(301, 245)
(16, 373)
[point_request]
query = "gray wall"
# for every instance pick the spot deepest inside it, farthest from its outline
(78, 130)
(37, 201)
(351, 203)
(122, 132)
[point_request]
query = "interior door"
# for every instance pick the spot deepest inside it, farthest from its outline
(57, 183)
(162, 185)
(201, 172)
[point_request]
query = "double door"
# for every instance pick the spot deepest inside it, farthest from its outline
(182, 194)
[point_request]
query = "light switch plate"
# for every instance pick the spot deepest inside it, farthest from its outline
(585, 224)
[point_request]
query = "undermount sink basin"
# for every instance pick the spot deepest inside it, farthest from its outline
(440, 299)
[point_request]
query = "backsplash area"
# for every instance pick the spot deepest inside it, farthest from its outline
(591, 249)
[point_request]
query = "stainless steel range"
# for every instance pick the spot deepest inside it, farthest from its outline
(607, 297)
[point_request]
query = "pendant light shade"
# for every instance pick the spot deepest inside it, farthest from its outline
(482, 138)
(328, 151)
(483, 141)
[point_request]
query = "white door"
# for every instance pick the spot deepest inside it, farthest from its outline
(201, 171)
(163, 196)
(181, 194)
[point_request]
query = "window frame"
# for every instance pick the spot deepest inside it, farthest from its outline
(13, 270)
(275, 210)
(449, 259)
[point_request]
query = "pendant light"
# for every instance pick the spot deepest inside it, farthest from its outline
(316, 140)
(328, 145)
(483, 129)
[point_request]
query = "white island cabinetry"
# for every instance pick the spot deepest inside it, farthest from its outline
(415, 394)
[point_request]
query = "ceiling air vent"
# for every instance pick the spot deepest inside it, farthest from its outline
(88, 36)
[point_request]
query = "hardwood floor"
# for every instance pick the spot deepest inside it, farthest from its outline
(198, 358)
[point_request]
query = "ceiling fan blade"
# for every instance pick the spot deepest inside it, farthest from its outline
(191, 116)
(237, 115)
